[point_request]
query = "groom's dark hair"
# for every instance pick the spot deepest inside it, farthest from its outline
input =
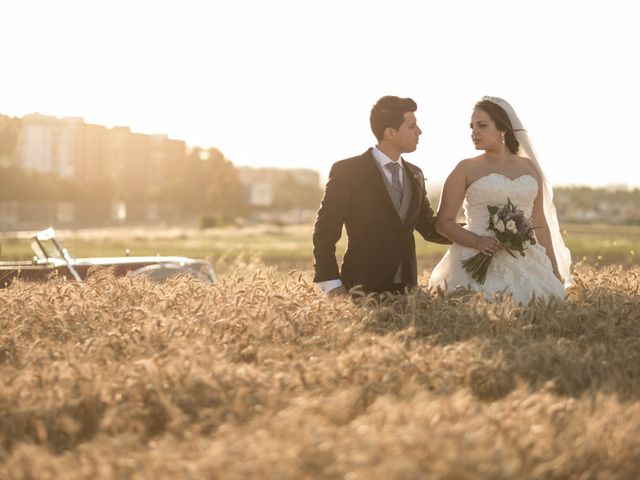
(389, 112)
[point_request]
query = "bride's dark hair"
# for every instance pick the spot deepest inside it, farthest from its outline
(503, 124)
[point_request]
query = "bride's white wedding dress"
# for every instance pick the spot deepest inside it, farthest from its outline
(522, 276)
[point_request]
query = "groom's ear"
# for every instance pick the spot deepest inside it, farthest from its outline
(389, 132)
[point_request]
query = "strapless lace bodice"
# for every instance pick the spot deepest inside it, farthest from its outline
(494, 189)
(521, 277)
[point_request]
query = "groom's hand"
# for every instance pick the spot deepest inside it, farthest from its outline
(337, 292)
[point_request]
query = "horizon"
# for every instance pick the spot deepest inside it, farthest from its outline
(431, 185)
(275, 86)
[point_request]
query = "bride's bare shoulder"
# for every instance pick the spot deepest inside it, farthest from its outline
(469, 163)
(464, 170)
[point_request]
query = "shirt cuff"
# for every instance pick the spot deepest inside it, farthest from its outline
(329, 285)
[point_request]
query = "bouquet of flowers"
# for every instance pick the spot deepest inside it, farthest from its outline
(513, 230)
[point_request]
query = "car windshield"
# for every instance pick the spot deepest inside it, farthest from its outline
(46, 246)
(50, 248)
(37, 249)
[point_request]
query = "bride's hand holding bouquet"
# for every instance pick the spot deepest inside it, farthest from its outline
(513, 231)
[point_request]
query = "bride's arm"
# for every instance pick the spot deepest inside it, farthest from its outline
(450, 202)
(543, 235)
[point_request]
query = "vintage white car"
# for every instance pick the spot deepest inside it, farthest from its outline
(51, 257)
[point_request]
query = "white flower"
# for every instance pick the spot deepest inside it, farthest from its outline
(526, 244)
(494, 218)
(499, 226)
(511, 226)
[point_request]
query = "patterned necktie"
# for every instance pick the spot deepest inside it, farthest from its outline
(396, 188)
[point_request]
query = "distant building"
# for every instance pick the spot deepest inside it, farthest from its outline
(261, 183)
(9, 130)
(128, 159)
(69, 147)
(260, 194)
(45, 144)
(89, 151)
(164, 157)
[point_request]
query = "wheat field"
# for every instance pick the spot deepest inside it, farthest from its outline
(261, 376)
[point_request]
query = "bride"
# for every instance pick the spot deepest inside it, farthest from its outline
(507, 170)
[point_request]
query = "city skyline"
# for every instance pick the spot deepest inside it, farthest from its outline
(290, 86)
(59, 145)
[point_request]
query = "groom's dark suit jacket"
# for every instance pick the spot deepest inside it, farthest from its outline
(378, 241)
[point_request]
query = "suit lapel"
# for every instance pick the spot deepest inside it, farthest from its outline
(375, 177)
(417, 182)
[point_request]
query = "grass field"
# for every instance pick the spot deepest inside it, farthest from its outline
(290, 246)
(261, 376)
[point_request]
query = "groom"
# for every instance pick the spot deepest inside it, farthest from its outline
(381, 199)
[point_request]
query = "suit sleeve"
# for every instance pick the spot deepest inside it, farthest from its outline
(426, 224)
(328, 227)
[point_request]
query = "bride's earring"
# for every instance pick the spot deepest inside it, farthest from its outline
(503, 138)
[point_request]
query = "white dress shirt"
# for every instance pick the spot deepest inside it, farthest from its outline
(382, 160)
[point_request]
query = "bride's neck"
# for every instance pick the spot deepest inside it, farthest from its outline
(499, 156)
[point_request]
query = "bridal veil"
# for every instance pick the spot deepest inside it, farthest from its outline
(562, 254)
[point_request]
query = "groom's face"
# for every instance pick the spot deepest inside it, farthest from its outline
(407, 135)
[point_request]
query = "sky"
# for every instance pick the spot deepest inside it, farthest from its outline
(290, 83)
